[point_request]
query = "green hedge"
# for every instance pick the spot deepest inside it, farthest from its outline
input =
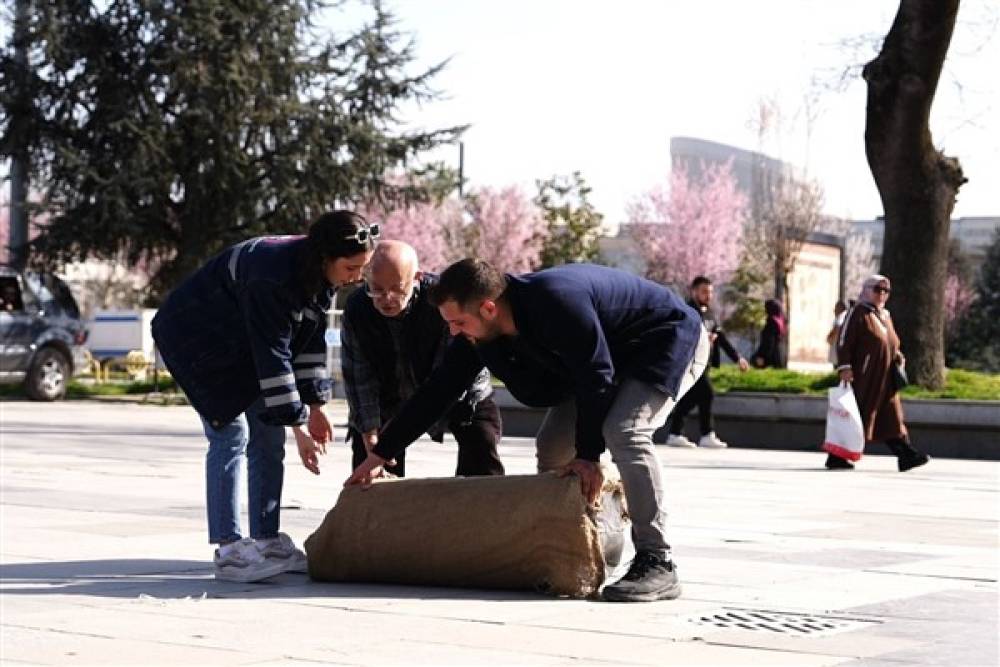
(960, 384)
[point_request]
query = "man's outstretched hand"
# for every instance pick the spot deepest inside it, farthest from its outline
(591, 477)
(371, 468)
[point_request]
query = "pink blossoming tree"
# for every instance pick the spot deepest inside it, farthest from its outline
(507, 229)
(692, 227)
(435, 230)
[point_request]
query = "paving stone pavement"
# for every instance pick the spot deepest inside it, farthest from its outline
(104, 560)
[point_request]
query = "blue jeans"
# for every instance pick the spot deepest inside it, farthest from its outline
(263, 446)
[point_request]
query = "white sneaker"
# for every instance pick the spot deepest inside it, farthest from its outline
(679, 441)
(241, 561)
(282, 550)
(711, 441)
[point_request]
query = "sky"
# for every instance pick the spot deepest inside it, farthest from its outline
(554, 86)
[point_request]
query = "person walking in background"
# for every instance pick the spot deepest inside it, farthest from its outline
(771, 350)
(839, 315)
(867, 349)
(392, 339)
(244, 337)
(702, 394)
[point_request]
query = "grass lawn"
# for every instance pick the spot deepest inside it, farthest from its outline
(959, 384)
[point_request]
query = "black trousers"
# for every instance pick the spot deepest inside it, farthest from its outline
(477, 439)
(699, 396)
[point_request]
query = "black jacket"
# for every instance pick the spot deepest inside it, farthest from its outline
(581, 330)
(240, 327)
(770, 349)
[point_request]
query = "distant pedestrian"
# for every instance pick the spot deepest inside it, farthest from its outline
(701, 393)
(771, 348)
(867, 349)
(839, 315)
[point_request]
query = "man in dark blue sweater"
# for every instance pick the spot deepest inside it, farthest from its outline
(607, 352)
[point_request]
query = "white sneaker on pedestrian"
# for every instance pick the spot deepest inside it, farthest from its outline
(241, 561)
(711, 441)
(281, 549)
(679, 441)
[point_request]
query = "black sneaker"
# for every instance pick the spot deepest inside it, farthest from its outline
(837, 463)
(650, 577)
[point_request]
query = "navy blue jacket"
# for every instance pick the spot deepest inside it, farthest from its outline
(581, 329)
(241, 327)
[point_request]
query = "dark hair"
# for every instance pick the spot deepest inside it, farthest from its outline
(773, 308)
(330, 236)
(466, 281)
(699, 281)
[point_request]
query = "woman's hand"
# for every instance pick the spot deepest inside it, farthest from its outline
(370, 439)
(846, 375)
(319, 427)
(309, 451)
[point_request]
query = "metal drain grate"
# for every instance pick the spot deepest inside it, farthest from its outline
(781, 622)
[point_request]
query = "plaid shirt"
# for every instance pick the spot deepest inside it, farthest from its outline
(361, 381)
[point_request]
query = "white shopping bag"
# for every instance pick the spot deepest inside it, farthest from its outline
(845, 434)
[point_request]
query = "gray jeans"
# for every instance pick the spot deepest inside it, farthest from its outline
(638, 410)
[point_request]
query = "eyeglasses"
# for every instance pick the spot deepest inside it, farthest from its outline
(393, 294)
(365, 232)
(881, 290)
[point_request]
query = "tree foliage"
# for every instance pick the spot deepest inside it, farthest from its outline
(693, 227)
(505, 228)
(163, 131)
(435, 229)
(976, 341)
(574, 225)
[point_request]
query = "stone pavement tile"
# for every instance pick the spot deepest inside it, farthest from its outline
(835, 557)
(850, 589)
(979, 605)
(892, 527)
(981, 566)
(660, 620)
(42, 646)
(859, 644)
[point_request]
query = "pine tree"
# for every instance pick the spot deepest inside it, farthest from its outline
(167, 130)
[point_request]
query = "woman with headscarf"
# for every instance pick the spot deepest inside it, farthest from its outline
(866, 351)
(770, 351)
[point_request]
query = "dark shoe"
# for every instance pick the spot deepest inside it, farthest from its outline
(910, 460)
(650, 577)
(837, 463)
(907, 456)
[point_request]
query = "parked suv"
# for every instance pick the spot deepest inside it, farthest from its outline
(41, 334)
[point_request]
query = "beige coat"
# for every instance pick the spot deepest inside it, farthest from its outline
(868, 345)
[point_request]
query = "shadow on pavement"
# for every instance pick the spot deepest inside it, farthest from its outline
(145, 578)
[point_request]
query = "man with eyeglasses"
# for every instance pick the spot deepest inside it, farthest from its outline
(392, 338)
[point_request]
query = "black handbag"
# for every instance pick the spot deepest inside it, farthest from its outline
(898, 374)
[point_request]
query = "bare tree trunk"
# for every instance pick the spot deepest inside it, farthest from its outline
(917, 182)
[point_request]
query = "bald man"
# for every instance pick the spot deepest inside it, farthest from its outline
(391, 340)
